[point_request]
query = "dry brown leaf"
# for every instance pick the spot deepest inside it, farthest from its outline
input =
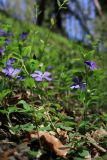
(98, 134)
(16, 151)
(5, 155)
(53, 142)
(63, 134)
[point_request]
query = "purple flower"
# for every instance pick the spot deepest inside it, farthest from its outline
(91, 64)
(47, 75)
(39, 76)
(21, 78)
(2, 50)
(23, 36)
(50, 67)
(10, 71)
(7, 41)
(10, 61)
(78, 84)
(2, 33)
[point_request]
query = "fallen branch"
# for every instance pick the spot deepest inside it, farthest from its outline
(94, 143)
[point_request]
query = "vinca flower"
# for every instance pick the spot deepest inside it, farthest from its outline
(78, 84)
(2, 33)
(2, 50)
(91, 65)
(50, 67)
(23, 36)
(39, 76)
(10, 71)
(7, 41)
(10, 61)
(21, 78)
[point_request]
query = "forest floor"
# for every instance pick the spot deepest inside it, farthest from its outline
(42, 113)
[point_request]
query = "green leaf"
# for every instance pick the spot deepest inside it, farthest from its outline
(60, 125)
(59, 3)
(32, 64)
(89, 55)
(104, 117)
(65, 1)
(45, 84)
(52, 21)
(47, 128)
(4, 93)
(84, 153)
(29, 82)
(66, 128)
(26, 51)
(25, 105)
(83, 124)
(27, 127)
(12, 109)
(24, 127)
(3, 111)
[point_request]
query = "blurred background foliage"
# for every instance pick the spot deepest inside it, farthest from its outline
(73, 18)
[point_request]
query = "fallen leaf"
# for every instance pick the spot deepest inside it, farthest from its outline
(98, 134)
(54, 143)
(5, 155)
(63, 135)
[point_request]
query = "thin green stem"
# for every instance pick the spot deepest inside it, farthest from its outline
(51, 26)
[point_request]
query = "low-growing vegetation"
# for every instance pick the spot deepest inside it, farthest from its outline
(52, 96)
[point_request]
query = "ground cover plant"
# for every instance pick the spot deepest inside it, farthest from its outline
(51, 96)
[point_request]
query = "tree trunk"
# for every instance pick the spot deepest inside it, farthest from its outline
(40, 18)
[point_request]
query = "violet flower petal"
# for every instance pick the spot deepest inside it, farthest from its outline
(23, 35)
(83, 86)
(2, 50)
(47, 74)
(10, 61)
(16, 71)
(35, 75)
(2, 33)
(21, 78)
(38, 78)
(47, 78)
(75, 86)
(7, 41)
(4, 70)
(10, 71)
(39, 72)
(50, 67)
(91, 64)
(78, 83)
